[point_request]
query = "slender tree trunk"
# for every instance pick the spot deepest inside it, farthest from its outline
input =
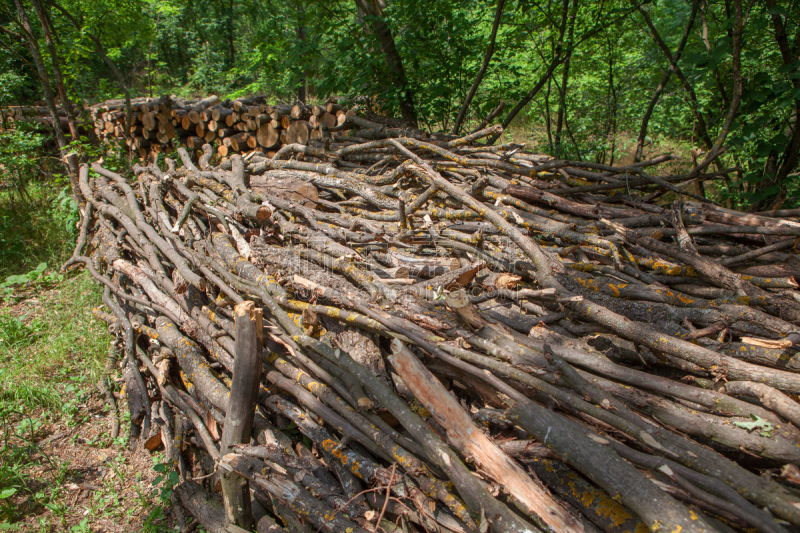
(702, 129)
(788, 160)
(33, 46)
(612, 126)
(479, 77)
(704, 36)
(548, 119)
(555, 62)
(736, 93)
(301, 36)
(56, 63)
(373, 9)
(673, 64)
(562, 90)
(98, 47)
(231, 43)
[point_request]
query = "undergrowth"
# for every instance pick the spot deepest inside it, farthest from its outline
(51, 351)
(36, 228)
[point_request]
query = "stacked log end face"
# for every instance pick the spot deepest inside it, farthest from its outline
(457, 337)
(164, 124)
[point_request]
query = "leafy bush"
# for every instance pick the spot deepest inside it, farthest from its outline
(19, 161)
(40, 228)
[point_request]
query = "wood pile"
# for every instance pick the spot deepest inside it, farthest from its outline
(161, 125)
(40, 116)
(233, 126)
(389, 329)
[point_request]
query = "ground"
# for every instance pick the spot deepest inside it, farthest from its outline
(60, 469)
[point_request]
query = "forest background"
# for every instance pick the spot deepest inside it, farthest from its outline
(607, 81)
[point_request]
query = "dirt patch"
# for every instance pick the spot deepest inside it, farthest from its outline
(79, 480)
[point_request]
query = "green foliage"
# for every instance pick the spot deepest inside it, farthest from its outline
(165, 481)
(18, 158)
(163, 487)
(15, 333)
(764, 427)
(20, 279)
(239, 47)
(39, 228)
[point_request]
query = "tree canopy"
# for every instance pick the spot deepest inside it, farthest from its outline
(599, 80)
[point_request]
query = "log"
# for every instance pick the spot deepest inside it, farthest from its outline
(474, 444)
(297, 132)
(267, 136)
(240, 141)
(291, 189)
(202, 505)
(241, 408)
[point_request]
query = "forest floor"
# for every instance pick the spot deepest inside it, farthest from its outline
(60, 469)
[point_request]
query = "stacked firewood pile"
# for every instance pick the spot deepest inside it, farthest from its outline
(412, 332)
(164, 124)
(40, 117)
(161, 125)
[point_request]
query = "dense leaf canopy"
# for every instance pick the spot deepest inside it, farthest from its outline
(581, 74)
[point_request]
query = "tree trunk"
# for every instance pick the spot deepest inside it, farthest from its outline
(698, 114)
(393, 60)
(479, 77)
(44, 78)
(612, 115)
(736, 93)
(790, 154)
(98, 47)
(229, 28)
(58, 78)
(562, 90)
(673, 64)
(301, 36)
(557, 60)
(704, 36)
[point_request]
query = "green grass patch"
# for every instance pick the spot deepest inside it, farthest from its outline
(47, 332)
(46, 340)
(51, 348)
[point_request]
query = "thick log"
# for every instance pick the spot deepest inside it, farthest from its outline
(202, 505)
(267, 135)
(606, 469)
(241, 407)
(297, 132)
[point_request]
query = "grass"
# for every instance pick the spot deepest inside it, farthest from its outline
(52, 353)
(50, 348)
(44, 340)
(46, 327)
